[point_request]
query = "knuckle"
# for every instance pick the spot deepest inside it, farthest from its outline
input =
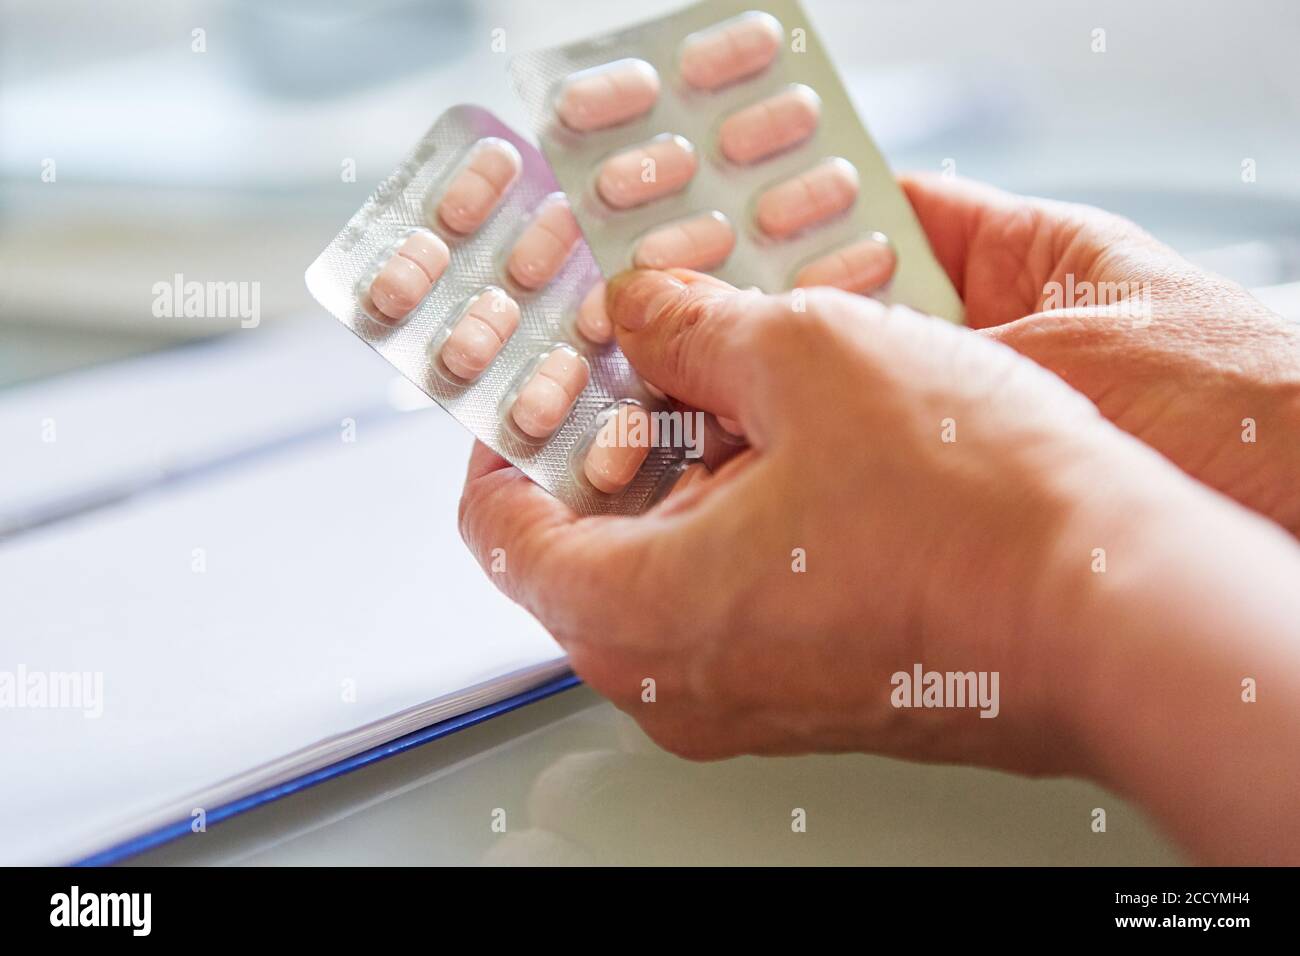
(693, 323)
(830, 312)
(777, 334)
(676, 348)
(1097, 235)
(770, 334)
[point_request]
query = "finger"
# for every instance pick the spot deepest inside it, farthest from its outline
(695, 475)
(483, 460)
(1001, 251)
(699, 280)
(718, 444)
(687, 334)
(950, 212)
(597, 584)
(517, 531)
(995, 247)
(730, 435)
(577, 574)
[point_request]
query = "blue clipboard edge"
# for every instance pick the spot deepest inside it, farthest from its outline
(174, 831)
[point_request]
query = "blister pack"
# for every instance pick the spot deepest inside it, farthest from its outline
(720, 138)
(466, 271)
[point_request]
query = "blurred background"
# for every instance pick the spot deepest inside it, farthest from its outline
(227, 164)
(142, 139)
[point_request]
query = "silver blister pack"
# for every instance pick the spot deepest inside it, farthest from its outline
(719, 186)
(402, 206)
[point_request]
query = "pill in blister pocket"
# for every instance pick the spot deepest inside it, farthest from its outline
(608, 95)
(770, 126)
(702, 242)
(826, 190)
(408, 276)
(593, 321)
(479, 186)
(647, 172)
(619, 449)
(861, 266)
(545, 244)
(730, 51)
(544, 401)
(484, 327)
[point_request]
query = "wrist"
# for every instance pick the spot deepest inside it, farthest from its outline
(1196, 596)
(1084, 511)
(1099, 615)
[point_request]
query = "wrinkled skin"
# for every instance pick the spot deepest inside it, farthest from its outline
(915, 492)
(1181, 376)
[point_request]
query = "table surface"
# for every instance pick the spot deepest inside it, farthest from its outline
(571, 780)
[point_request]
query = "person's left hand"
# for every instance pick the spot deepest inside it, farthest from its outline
(1188, 362)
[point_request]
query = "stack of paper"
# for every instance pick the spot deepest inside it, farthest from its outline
(210, 588)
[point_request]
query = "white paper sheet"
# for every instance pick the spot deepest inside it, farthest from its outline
(323, 563)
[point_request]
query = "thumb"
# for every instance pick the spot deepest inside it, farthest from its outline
(689, 335)
(1001, 250)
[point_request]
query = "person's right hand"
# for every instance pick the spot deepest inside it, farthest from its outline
(944, 492)
(1184, 376)
(914, 494)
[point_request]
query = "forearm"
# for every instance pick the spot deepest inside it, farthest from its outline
(1199, 606)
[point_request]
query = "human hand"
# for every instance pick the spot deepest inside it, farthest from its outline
(940, 491)
(1188, 362)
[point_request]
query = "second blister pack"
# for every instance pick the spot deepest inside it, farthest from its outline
(719, 138)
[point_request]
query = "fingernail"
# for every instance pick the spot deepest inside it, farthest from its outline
(633, 299)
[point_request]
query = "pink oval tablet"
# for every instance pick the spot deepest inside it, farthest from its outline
(407, 277)
(548, 395)
(861, 266)
(593, 321)
(769, 126)
(428, 252)
(824, 191)
(619, 449)
(608, 95)
(702, 242)
(646, 172)
(544, 246)
(730, 51)
(485, 327)
(480, 185)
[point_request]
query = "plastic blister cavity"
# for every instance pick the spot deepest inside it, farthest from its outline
(720, 138)
(612, 451)
(470, 338)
